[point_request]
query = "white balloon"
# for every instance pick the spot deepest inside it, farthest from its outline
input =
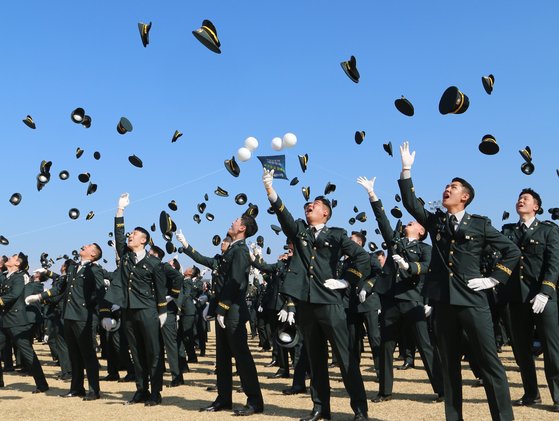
(289, 140)
(243, 154)
(277, 144)
(251, 143)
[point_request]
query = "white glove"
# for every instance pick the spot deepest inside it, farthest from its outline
(181, 238)
(367, 184)
(168, 298)
(107, 282)
(539, 302)
(205, 311)
(362, 296)
(407, 157)
(34, 298)
(260, 309)
(46, 338)
(115, 307)
(336, 283)
(108, 323)
(282, 315)
(221, 320)
(162, 319)
(123, 200)
(203, 299)
(290, 318)
(428, 310)
(40, 270)
(479, 284)
(400, 261)
(268, 178)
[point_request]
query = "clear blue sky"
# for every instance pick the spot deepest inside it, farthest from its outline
(278, 72)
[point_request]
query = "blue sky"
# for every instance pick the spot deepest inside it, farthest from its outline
(279, 72)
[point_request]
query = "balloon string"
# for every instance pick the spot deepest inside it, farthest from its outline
(334, 173)
(159, 193)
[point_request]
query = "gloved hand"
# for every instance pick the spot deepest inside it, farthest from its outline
(40, 270)
(428, 310)
(108, 323)
(34, 298)
(290, 318)
(407, 157)
(46, 338)
(107, 282)
(539, 302)
(115, 307)
(362, 296)
(168, 298)
(162, 319)
(400, 261)
(181, 238)
(221, 321)
(123, 200)
(336, 283)
(367, 184)
(268, 178)
(260, 309)
(282, 315)
(479, 284)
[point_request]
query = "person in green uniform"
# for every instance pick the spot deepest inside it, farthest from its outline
(138, 289)
(456, 288)
(231, 316)
(532, 296)
(311, 281)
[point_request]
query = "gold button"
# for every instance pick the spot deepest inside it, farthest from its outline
(451, 252)
(521, 267)
(522, 248)
(312, 257)
(311, 267)
(314, 248)
(130, 288)
(312, 276)
(451, 274)
(521, 277)
(450, 263)
(452, 241)
(521, 257)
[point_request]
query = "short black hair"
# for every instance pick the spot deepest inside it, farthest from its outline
(250, 224)
(99, 251)
(159, 253)
(195, 271)
(326, 203)
(361, 237)
(175, 263)
(24, 261)
(145, 232)
(379, 253)
(469, 189)
(532, 193)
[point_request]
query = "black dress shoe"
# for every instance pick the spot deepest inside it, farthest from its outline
(139, 397)
(315, 416)
(271, 363)
(555, 407)
(477, 383)
(91, 396)
(439, 398)
(215, 407)
(211, 389)
(127, 378)
(40, 390)
(247, 411)
(155, 399)
(111, 378)
(293, 391)
(280, 374)
(526, 401)
(360, 416)
(381, 398)
(65, 376)
(73, 394)
(406, 366)
(178, 381)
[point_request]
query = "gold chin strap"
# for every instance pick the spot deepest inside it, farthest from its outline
(490, 139)
(212, 33)
(461, 103)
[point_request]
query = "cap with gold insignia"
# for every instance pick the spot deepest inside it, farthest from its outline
(64, 175)
(527, 168)
(306, 192)
(488, 145)
(97, 155)
(207, 35)
(4, 241)
(329, 188)
(170, 247)
(351, 221)
(29, 122)
(275, 228)
(526, 153)
(359, 137)
(294, 181)
(209, 216)
(92, 188)
(453, 101)
(216, 240)
(206, 197)
(303, 161)
(176, 136)
(388, 148)
(201, 207)
(74, 213)
(488, 82)
(361, 217)
(355, 209)
(15, 199)
(404, 106)
(124, 126)
(84, 177)
(252, 210)
(372, 246)
(554, 213)
(396, 212)
(220, 192)
(144, 32)
(232, 166)
(350, 69)
(165, 223)
(241, 199)
(505, 216)
(196, 218)
(397, 198)
(173, 205)
(90, 215)
(79, 152)
(134, 160)
(78, 115)
(86, 122)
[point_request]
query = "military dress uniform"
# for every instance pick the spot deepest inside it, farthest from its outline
(455, 260)
(15, 325)
(231, 342)
(188, 318)
(537, 273)
(321, 310)
(402, 304)
(139, 288)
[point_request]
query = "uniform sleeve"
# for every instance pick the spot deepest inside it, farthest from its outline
(58, 288)
(383, 222)
(551, 264)
(288, 224)
(411, 203)
(360, 261)
(420, 267)
(120, 237)
(160, 288)
(175, 279)
(97, 273)
(234, 279)
(290, 305)
(262, 266)
(198, 258)
(14, 293)
(510, 254)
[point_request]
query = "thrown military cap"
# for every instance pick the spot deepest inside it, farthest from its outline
(334, 203)
(196, 218)
(397, 198)
(232, 166)
(216, 240)
(377, 231)
(144, 32)
(84, 177)
(275, 228)
(4, 241)
(553, 211)
(329, 188)
(396, 212)
(111, 233)
(351, 221)
(79, 152)
(421, 201)
(372, 246)
(173, 205)
(361, 217)
(170, 247)
(505, 216)
(44, 168)
(306, 192)
(527, 168)
(207, 35)
(92, 188)
(74, 213)
(15, 199)
(488, 82)
(134, 160)
(78, 115)
(176, 136)
(165, 223)
(124, 126)
(271, 210)
(86, 122)
(152, 228)
(387, 148)
(526, 153)
(201, 207)
(384, 245)
(260, 241)
(303, 161)
(206, 197)
(29, 122)
(404, 106)
(453, 101)
(209, 216)
(241, 199)
(488, 145)
(294, 181)
(350, 69)
(252, 210)
(359, 137)
(220, 192)
(268, 250)
(97, 155)
(90, 215)
(64, 175)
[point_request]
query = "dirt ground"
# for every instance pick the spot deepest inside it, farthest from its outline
(412, 395)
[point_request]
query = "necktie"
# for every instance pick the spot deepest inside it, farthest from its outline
(523, 227)
(453, 222)
(134, 258)
(314, 231)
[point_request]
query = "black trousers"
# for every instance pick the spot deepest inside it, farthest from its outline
(264, 333)
(186, 336)
(20, 336)
(450, 321)
(170, 344)
(523, 321)
(360, 324)
(231, 342)
(410, 314)
(118, 353)
(142, 333)
(55, 330)
(327, 322)
(80, 338)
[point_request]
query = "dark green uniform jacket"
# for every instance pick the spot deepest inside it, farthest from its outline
(12, 300)
(273, 299)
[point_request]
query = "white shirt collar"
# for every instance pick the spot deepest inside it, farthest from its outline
(529, 222)
(140, 255)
